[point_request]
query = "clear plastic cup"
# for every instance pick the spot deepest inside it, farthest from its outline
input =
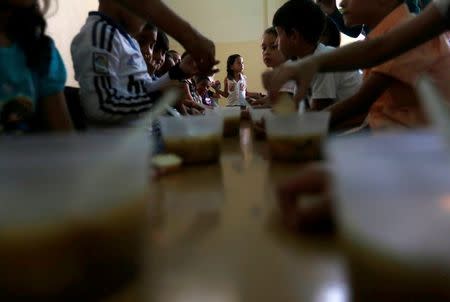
(392, 202)
(73, 213)
(231, 120)
(196, 139)
(297, 137)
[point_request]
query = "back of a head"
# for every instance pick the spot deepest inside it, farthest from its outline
(303, 16)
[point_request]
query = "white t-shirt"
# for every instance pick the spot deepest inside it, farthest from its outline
(237, 91)
(115, 86)
(334, 85)
(443, 6)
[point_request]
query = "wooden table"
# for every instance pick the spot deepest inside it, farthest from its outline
(217, 236)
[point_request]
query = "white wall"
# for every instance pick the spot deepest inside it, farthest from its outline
(65, 24)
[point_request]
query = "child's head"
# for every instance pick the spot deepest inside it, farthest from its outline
(357, 12)
(202, 83)
(300, 24)
(235, 64)
(272, 56)
(160, 49)
(23, 22)
(147, 40)
(174, 55)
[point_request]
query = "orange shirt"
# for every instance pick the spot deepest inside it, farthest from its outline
(399, 106)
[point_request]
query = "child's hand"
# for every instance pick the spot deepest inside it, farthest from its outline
(305, 200)
(301, 72)
(216, 85)
(327, 6)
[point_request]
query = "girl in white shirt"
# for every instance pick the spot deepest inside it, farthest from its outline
(235, 84)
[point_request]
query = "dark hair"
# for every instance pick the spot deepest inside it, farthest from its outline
(199, 78)
(162, 42)
(331, 35)
(303, 16)
(184, 55)
(150, 27)
(271, 31)
(26, 27)
(173, 51)
(230, 61)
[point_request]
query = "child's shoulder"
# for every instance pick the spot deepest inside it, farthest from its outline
(99, 32)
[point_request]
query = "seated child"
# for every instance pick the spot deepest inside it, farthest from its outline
(115, 86)
(300, 25)
(203, 85)
(32, 73)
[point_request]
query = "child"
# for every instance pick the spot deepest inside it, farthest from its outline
(235, 87)
(388, 93)
(174, 55)
(159, 55)
(315, 179)
(364, 54)
(203, 85)
(32, 73)
(147, 39)
(300, 25)
(115, 86)
(171, 58)
(272, 58)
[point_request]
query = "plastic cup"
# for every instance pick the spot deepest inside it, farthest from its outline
(231, 120)
(392, 202)
(297, 137)
(73, 214)
(196, 139)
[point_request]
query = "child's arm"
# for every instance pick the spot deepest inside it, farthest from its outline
(188, 100)
(372, 88)
(215, 95)
(254, 95)
(57, 114)
(223, 92)
(201, 48)
(363, 54)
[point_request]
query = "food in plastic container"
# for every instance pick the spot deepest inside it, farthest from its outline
(297, 137)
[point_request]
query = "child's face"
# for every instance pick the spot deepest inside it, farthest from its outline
(203, 86)
(358, 12)
(285, 43)
(272, 56)
(238, 65)
(147, 40)
(159, 57)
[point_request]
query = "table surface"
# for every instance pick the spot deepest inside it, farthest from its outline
(217, 236)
